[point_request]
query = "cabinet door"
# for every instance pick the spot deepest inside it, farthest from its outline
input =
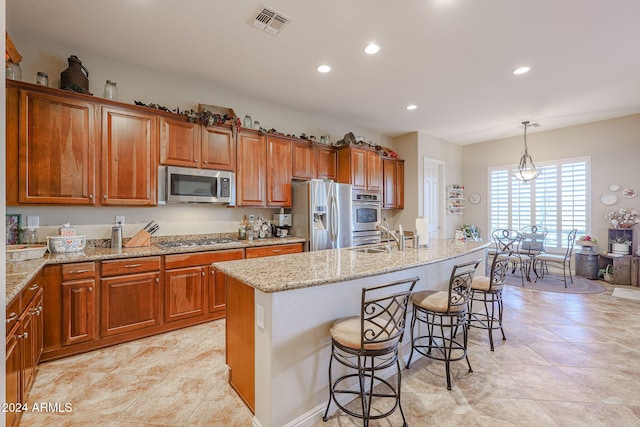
(217, 284)
(28, 351)
(373, 171)
(218, 149)
(129, 303)
(179, 143)
(303, 160)
(389, 174)
(400, 184)
(265, 251)
(278, 172)
(129, 159)
(38, 328)
(326, 162)
(251, 170)
(13, 357)
(79, 320)
(358, 163)
(57, 139)
(184, 292)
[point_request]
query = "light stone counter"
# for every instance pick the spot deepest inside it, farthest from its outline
(303, 270)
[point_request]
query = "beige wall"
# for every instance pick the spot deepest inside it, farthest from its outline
(155, 86)
(612, 145)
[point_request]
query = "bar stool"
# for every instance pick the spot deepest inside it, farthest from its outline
(487, 293)
(368, 344)
(443, 313)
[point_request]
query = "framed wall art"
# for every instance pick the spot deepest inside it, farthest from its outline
(13, 229)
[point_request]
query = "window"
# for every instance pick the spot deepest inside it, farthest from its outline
(557, 200)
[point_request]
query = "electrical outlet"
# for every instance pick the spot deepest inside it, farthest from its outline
(252, 217)
(120, 219)
(33, 221)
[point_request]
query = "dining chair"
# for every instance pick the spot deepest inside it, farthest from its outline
(508, 245)
(564, 260)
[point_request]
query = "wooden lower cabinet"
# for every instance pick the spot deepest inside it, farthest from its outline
(23, 346)
(263, 251)
(79, 303)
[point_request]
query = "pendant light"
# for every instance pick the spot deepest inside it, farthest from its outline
(526, 170)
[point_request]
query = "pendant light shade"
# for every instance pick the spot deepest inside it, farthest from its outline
(526, 170)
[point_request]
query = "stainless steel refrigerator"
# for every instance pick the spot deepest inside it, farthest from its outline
(322, 214)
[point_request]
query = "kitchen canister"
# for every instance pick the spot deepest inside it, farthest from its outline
(42, 79)
(75, 77)
(248, 122)
(110, 90)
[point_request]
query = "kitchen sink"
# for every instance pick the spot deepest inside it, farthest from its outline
(371, 249)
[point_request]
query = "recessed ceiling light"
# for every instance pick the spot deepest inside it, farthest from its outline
(372, 48)
(521, 70)
(411, 107)
(323, 68)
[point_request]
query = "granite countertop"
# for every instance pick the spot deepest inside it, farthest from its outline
(21, 272)
(303, 270)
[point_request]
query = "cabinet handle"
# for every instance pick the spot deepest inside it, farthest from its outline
(90, 288)
(203, 273)
(195, 160)
(39, 311)
(86, 270)
(132, 265)
(25, 335)
(205, 162)
(104, 197)
(12, 317)
(157, 280)
(90, 196)
(275, 251)
(34, 287)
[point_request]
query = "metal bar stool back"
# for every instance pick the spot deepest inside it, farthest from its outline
(442, 313)
(486, 295)
(366, 345)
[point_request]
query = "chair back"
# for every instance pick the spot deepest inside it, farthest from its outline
(506, 240)
(499, 268)
(533, 237)
(460, 286)
(384, 312)
(571, 240)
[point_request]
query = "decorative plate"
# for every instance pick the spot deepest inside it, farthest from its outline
(474, 198)
(629, 193)
(608, 199)
(614, 187)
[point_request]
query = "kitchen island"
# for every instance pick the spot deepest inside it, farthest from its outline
(279, 311)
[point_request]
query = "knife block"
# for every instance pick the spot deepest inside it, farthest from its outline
(140, 239)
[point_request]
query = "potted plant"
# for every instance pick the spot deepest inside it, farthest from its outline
(621, 245)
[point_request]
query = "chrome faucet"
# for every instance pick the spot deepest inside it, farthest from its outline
(399, 239)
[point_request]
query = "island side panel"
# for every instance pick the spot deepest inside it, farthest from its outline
(240, 339)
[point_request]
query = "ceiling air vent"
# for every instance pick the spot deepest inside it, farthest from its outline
(269, 20)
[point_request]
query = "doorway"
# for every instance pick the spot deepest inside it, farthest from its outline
(433, 173)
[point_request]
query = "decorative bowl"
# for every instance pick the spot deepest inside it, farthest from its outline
(64, 244)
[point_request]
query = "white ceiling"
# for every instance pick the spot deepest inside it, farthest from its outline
(452, 58)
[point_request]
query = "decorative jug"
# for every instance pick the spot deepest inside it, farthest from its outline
(73, 78)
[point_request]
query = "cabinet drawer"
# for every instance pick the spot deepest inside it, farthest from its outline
(200, 258)
(80, 270)
(130, 266)
(273, 250)
(32, 288)
(13, 313)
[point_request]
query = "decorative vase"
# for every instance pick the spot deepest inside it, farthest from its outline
(626, 225)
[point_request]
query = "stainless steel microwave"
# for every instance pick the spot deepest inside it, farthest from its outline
(191, 185)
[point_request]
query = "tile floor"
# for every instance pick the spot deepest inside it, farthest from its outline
(569, 360)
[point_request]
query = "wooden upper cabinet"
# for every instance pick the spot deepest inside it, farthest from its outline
(374, 171)
(279, 193)
(56, 142)
(251, 169)
(393, 183)
(218, 148)
(129, 162)
(179, 142)
(303, 160)
(326, 162)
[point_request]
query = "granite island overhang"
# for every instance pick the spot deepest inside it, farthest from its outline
(279, 310)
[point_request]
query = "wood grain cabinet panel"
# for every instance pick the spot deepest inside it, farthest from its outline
(13, 368)
(129, 163)
(179, 142)
(79, 319)
(303, 160)
(279, 191)
(184, 292)
(218, 148)
(400, 184)
(263, 251)
(251, 169)
(57, 139)
(373, 172)
(393, 183)
(326, 162)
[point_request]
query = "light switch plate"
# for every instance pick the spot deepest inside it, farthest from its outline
(33, 222)
(120, 219)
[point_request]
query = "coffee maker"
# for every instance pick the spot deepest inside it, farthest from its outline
(281, 223)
